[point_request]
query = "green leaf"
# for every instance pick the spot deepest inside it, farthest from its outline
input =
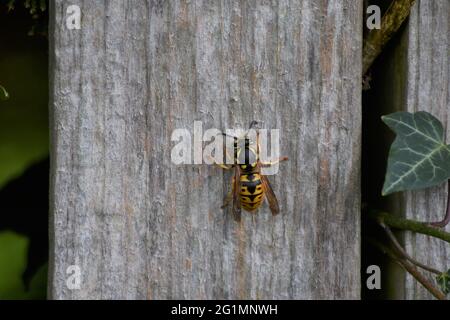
(13, 260)
(24, 125)
(4, 95)
(419, 157)
(443, 281)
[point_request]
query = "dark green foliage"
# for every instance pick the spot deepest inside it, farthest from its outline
(419, 157)
(25, 199)
(444, 281)
(13, 261)
(37, 10)
(34, 6)
(23, 148)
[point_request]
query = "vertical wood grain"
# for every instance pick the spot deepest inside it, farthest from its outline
(141, 227)
(428, 89)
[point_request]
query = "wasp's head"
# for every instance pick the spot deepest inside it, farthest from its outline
(245, 148)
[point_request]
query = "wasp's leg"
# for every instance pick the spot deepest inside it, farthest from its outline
(227, 200)
(219, 164)
(227, 155)
(229, 196)
(224, 166)
(271, 163)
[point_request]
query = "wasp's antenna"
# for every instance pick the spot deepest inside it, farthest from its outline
(229, 136)
(252, 124)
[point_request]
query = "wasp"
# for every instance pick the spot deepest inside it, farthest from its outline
(249, 187)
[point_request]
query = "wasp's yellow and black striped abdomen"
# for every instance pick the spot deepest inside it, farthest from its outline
(251, 194)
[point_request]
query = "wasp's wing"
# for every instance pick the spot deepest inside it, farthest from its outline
(271, 198)
(236, 189)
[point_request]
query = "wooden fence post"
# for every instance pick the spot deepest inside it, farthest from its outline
(135, 225)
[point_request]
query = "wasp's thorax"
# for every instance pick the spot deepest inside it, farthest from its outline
(247, 157)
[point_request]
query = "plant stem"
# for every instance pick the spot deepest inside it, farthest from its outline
(411, 225)
(4, 95)
(422, 280)
(397, 12)
(410, 268)
(403, 252)
(443, 223)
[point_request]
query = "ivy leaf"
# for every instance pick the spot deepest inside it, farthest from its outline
(419, 157)
(444, 281)
(4, 95)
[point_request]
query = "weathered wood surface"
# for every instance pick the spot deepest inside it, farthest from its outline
(140, 227)
(428, 89)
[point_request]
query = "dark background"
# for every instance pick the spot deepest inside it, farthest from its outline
(23, 151)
